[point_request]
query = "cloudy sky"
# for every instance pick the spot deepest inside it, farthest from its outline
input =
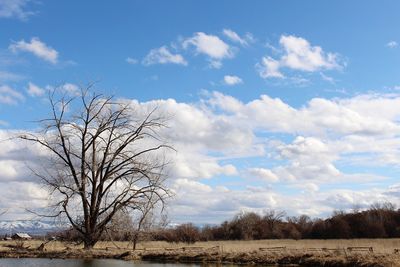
(287, 105)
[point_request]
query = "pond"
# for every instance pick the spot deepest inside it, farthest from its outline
(87, 263)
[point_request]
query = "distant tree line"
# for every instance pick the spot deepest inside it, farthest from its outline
(379, 221)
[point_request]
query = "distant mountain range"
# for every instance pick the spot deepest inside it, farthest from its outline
(42, 227)
(28, 226)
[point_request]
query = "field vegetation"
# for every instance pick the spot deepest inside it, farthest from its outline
(334, 252)
(357, 238)
(380, 246)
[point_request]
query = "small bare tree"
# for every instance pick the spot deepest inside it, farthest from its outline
(105, 156)
(144, 220)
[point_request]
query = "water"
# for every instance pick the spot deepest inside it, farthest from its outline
(84, 263)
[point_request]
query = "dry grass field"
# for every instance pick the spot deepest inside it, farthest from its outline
(385, 252)
(381, 246)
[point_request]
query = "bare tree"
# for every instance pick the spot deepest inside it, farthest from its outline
(119, 228)
(273, 218)
(138, 225)
(144, 220)
(105, 156)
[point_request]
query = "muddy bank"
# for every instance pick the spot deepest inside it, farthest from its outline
(75, 254)
(257, 258)
(253, 258)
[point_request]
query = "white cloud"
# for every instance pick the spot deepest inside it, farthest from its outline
(34, 90)
(226, 102)
(348, 130)
(319, 116)
(15, 8)
(4, 123)
(200, 128)
(269, 68)
(327, 78)
(392, 44)
(233, 36)
(10, 96)
(70, 88)
(300, 55)
(308, 159)
(163, 56)
(215, 64)
(232, 80)
(190, 192)
(36, 47)
(222, 203)
(23, 190)
(308, 187)
(67, 88)
(131, 61)
(204, 168)
(321, 139)
(9, 169)
(211, 46)
(6, 76)
(264, 174)
(233, 132)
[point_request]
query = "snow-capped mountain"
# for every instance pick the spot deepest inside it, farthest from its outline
(31, 227)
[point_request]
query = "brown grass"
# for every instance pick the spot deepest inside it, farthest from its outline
(228, 251)
(386, 246)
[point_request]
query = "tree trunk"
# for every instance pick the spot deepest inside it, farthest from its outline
(89, 242)
(135, 239)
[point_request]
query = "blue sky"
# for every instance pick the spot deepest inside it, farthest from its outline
(284, 104)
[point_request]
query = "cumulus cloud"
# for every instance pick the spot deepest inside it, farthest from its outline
(223, 203)
(336, 129)
(9, 169)
(200, 128)
(23, 190)
(318, 117)
(211, 46)
(205, 167)
(163, 56)
(269, 68)
(10, 96)
(308, 188)
(131, 61)
(34, 90)
(36, 47)
(15, 9)
(392, 44)
(6, 76)
(300, 55)
(70, 88)
(232, 80)
(327, 78)
(308, 159)
(223, 144)
(233, 36)
(264, 174)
